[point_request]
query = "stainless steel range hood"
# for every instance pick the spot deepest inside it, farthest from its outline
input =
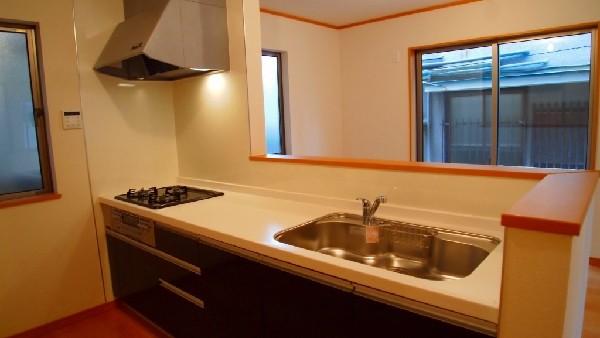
(167, 40)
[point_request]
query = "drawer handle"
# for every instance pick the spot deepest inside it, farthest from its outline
(172, 288)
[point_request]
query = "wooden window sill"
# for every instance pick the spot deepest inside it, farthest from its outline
(29, 200)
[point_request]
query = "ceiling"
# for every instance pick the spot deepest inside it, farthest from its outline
(343, 12)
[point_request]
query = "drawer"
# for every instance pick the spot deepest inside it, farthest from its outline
(177, 245)
(133, 270)
(184, 279)
(173, 311)
(191, 250)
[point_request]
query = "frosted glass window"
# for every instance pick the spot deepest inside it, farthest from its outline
(271, 74)
(20, 165)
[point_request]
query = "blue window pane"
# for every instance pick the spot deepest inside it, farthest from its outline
(456, 101)
(20, 165)
(544, 90)
(271, 85)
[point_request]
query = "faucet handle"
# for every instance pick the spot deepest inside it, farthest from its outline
(365, 202)
(382, 199)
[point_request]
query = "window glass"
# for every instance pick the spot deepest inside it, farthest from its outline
(272, 103)
(20, 168)
(544, 89)
(456, 87)
(539, 88)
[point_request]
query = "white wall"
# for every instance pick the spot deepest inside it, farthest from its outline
(212, 139)
(48, 253)
(130, 132)
(375, 100)
(314, 83)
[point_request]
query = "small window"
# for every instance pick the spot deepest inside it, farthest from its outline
(515, 103)
(273, 97)
(25, 168)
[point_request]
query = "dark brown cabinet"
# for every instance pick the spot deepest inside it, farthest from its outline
(161, 291)
(297, 307)
(376, 319)
(243, 298)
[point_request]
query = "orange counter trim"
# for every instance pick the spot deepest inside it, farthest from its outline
(558, 204)
(439, 168)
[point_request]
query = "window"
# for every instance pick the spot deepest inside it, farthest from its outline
(517, 103)
(24, 169)
(273, 96)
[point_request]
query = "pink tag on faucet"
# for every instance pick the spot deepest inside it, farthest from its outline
(372, 234)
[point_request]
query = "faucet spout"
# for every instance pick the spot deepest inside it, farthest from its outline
(369, 208)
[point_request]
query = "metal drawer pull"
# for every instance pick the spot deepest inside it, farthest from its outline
(168, 286)
(182, 264)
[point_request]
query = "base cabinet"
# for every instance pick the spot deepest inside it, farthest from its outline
(231, 289)
(243, 298)
(296, 307)
(376, 319)
(158, 290)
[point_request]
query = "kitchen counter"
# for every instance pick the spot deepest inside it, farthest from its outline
(249, 219)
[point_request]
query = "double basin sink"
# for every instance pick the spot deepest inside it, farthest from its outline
(416, 250)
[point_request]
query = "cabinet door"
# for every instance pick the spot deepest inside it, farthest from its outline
(373, 319)
(133, 271)
(297, 307)
(230, 285)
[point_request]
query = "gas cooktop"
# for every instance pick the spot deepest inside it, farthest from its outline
(158, 198)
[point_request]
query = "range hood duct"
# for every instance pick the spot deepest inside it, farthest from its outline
(167, 40)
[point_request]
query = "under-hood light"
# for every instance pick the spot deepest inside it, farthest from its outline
(201, 69)
(126, 85)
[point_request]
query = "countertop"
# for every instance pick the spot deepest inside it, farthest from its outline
(249, 220)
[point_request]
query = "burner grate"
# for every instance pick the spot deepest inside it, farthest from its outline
(158, 198)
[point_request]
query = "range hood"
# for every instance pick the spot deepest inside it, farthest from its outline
(167, 40)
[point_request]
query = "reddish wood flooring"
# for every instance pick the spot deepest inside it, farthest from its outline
(591, 320)
(107, 321)
(115, 321)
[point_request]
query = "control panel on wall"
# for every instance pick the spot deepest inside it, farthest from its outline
(71, 120)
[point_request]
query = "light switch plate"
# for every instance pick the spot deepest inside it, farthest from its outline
(71, 120)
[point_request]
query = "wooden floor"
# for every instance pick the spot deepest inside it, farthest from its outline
(108, 321)
(115, 321)
(591, 320)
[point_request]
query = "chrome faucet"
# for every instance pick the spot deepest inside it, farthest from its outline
(369, 208)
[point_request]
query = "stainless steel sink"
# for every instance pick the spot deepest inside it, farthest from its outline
(420, 251)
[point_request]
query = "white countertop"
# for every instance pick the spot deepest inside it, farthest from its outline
(249, 221)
